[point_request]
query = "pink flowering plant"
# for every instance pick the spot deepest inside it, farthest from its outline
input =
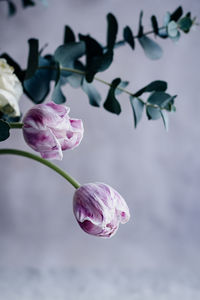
(48, 127)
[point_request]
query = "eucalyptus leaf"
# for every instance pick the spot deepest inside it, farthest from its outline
(67, 54)
(165, 119)
(140, 29)
(4, 130)
(172, 29)
(75, 80)
(57, 95)
(11, 8)
(151, 48)
(96, 59)
(98, 64)
(157, 85)
(177, 37)
(128, 37)
(162, 32)
(111, 31)
(167, 19)
(111, 103)
(93, 94)
(93, 48)
(33, 58)
(153, 113)
(154, 24)
(137, 107)
(68, 35)
(175, 16)
(27, 3)
(38, 86)
(161, 99)
(185, 24)
(123, 85)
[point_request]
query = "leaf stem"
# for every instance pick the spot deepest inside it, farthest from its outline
(16, 125)
(122, 42)
(76, 71)
(43, 161)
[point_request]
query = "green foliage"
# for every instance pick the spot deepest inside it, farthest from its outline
(111, 31)
(128, 37)
(77, 61)
(154, 24)
(157, 86)
(11, 8)
(111, 104)
(4, 130)
(175, 16)
(57, 95)
(38, 86)
(33, 58)
(151, 48)
(172, 29)
(185, 23)
(137, 107)
(27, 3)
(67, 54)
(69, 35)
(96, 59)
(93, 94)
(161, 99)
(120, 87)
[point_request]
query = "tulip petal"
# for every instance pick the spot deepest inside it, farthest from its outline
(43, 141)
(62, 132)
(99, 209)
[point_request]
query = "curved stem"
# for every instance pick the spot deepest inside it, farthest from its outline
(43, 161)
(16, 125)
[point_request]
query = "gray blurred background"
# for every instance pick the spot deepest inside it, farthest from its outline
(43, 252)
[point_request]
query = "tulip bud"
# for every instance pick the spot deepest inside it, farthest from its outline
(99, 209)
(10, 90)
(49, 130)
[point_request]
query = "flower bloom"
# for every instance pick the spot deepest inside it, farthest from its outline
(99, 209)
(49, 130)
(10, 90)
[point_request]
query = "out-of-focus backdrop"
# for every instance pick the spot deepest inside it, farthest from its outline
(43, 252)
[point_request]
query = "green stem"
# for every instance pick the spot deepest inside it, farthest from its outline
(122, 42)
(109, 84)
(97, 79)
(16, 125)
(43, 161)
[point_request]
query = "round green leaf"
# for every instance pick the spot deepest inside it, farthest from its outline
(4, 130)
(151, 48)
(172, 29)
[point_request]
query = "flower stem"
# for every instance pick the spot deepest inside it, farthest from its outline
(43, 161)
(16, 125)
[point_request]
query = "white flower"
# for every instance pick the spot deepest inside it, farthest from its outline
(10, 90)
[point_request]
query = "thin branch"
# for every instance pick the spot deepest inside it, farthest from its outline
(104, 82)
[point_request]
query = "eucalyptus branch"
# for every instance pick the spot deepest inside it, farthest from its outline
(76, 71)
(42, 69)
(43, 161)
(123, 42)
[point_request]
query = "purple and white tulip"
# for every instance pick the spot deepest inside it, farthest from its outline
(99, 209)
(48, 129)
